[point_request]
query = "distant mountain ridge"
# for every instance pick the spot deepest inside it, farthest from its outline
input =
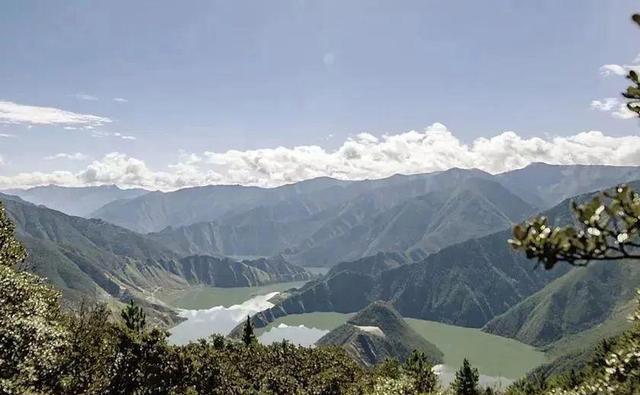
(78, 201)
(545, 185)
(397, 218)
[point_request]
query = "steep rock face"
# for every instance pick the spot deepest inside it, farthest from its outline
(580, 300)
(377, 333)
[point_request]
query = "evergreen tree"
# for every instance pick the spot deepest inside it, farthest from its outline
(466, 382)
(134, 317)
(248, 337)
(420, 370)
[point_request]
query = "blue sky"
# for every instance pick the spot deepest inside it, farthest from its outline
(167, 82)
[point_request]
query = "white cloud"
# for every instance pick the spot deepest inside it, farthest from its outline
(101, 133)
(14, 113)
(84, 96)
(64, 155)
(617, 69)
(615, 106)
(7, 135)
(120, 99)
(363, 156)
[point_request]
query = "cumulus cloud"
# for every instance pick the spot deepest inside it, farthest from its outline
(360, 157)
(14, 113)
(615, 106)
(64, 155)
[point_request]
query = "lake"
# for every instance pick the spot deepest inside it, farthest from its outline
(498, 359)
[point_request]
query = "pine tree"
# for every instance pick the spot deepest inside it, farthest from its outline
(420, 370)
(134, 317)
(466, 382)
(248, 337)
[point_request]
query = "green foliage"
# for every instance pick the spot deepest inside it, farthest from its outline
(632, 94)
(466, 381)
(11, 251)
(419, 369)
(31, 334)
(248, 337)
(531, 385)
(607, 228)
(134, 317)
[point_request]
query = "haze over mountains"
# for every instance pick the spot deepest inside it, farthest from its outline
(321, 222)
(80, 201)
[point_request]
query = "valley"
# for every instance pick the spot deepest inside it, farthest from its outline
(376, 267)
(500, 360)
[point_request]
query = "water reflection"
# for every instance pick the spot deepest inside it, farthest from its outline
(447, 374)
(218, 319)
(300, 335)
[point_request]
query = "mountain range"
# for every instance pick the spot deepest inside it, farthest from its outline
(324, 221)
(94, 260)
(431, 246)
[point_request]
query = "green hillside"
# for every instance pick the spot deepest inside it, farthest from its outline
(581, 299)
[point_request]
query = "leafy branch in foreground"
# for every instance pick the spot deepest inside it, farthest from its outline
(632, 94)
(608, 228)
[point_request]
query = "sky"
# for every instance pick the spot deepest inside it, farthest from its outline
(165, 94)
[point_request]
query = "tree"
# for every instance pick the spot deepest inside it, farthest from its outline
(12, 253)
(420, 370)
(607, 228)
(248, 337)
(632, 94)
(134, 317)
(31, 331)
(466, 381)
